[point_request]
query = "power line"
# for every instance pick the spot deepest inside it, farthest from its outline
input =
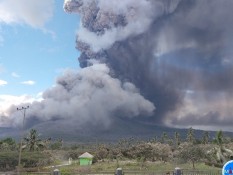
(23, 110)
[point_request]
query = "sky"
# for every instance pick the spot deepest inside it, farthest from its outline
(36, 46)
(163, 62)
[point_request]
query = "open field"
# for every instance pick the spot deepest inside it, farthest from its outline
(134, 167)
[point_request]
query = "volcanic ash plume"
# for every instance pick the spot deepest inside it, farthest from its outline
(122, 35)
(103, 23)
(89, 96)
(175, 55)
(176, 52)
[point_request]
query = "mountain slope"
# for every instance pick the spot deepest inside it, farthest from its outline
(72, 132)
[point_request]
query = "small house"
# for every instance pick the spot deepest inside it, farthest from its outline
(85, 159)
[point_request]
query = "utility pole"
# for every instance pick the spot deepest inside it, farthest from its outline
(23, 110)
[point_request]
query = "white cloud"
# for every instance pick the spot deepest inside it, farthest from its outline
(14, 74)
(31, 12)
(6, 101)
(29, 82)
(3, 83)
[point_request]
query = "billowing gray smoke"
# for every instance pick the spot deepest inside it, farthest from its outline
(89, 96)
(175, 55)
(118, 34)
(176, 52)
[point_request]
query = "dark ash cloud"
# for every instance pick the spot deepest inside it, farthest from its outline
(184, 47)
(175, 55)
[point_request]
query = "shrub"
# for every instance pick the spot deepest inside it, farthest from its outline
(72, 154)
(8, 160)
(34, 159)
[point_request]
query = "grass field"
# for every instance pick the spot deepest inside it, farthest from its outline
(110, 166)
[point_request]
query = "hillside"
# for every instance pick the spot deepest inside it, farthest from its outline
(119, 129)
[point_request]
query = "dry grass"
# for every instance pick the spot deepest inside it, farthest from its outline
(131, 165)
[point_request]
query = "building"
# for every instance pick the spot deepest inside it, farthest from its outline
(85, 159)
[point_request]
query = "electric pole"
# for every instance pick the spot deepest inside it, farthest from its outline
(23, 110)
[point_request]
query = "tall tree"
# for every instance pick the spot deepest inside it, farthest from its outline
(206, 137)
(177, 139)
(164, 138)
(192, 153)
(33, 142)
(219, 138)
(190, 136)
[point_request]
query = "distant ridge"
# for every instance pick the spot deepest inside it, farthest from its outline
(118, 130)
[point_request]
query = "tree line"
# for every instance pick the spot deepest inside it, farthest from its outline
(39, 152)
(213, 151)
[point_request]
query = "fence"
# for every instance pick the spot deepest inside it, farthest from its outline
(197, 172)
(26, 173)
(170, 172)
(184, 172)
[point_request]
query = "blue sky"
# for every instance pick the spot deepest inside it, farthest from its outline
(33, 52)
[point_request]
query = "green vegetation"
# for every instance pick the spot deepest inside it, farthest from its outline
(162, 153)
(133, 165)
(33, 142)
(9, 159)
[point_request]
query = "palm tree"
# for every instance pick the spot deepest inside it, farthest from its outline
(206, 137)
(219, 138)
(33, 142)
(177, 139)
(164, 137)
(222, 153)
(190, 136)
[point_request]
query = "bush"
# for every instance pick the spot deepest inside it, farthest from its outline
(35, 159)
(72, 154)
(56, 146)
(192, 153)
(9, 160)
(66, 172)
